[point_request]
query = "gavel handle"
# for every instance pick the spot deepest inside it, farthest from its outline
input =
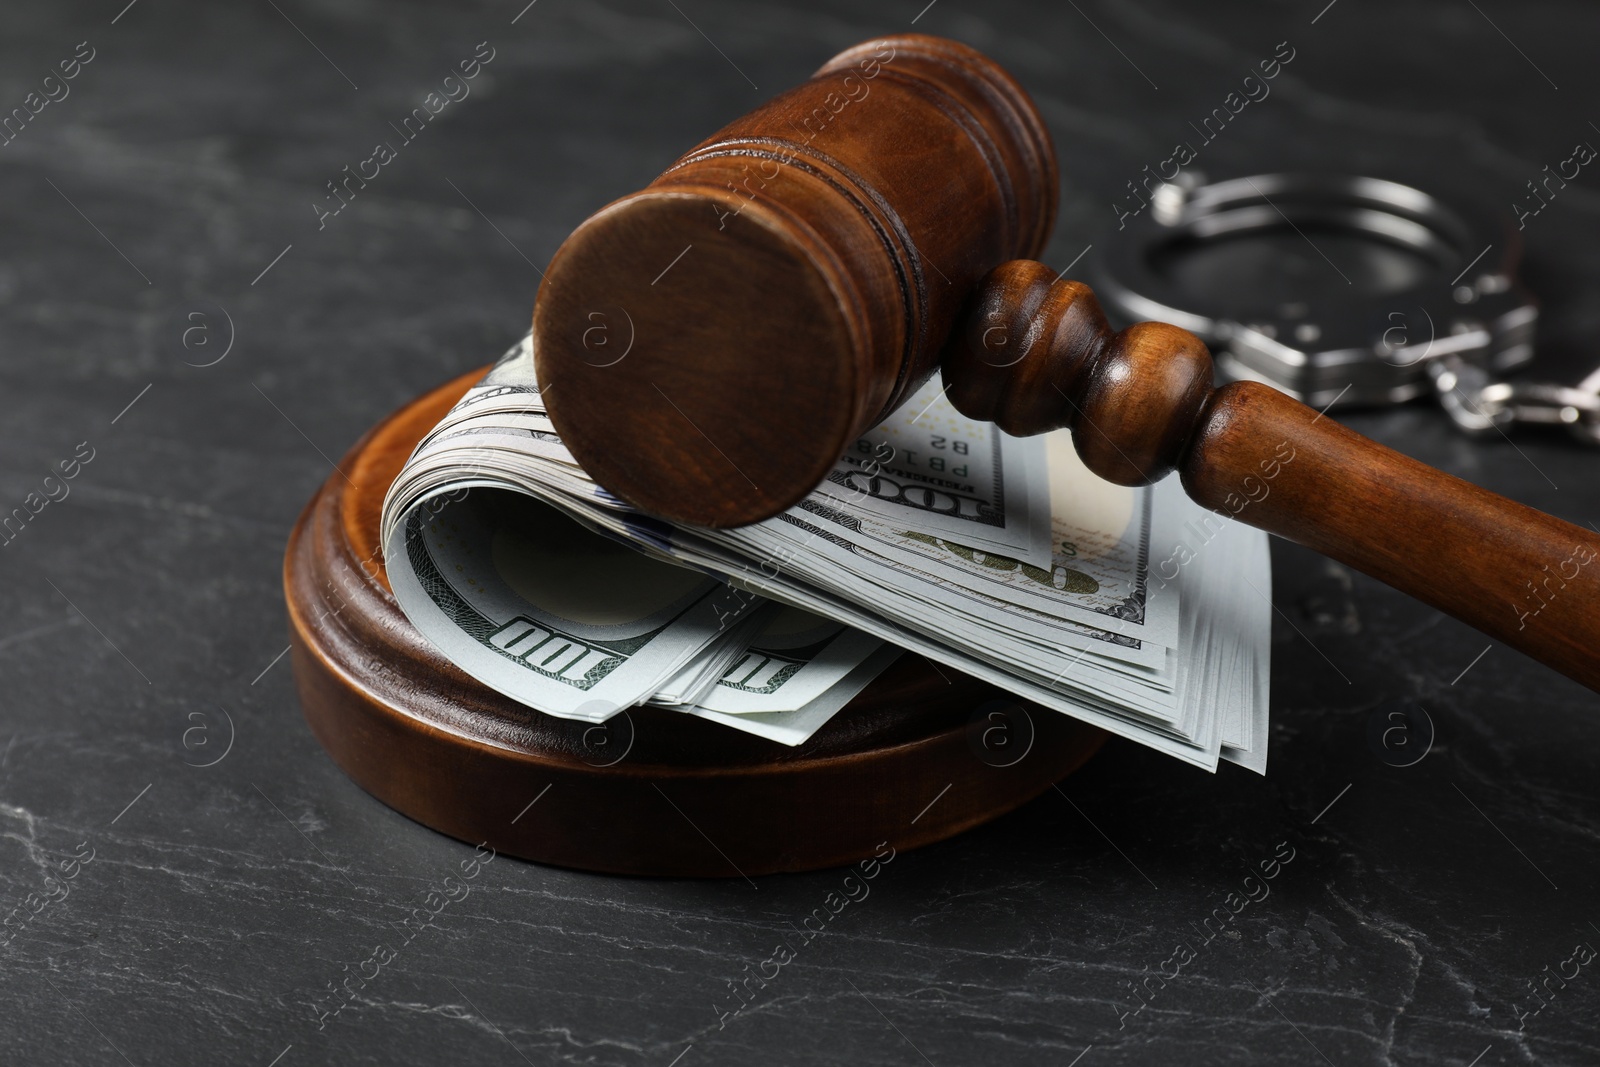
(1519, 575)
(1035, 354)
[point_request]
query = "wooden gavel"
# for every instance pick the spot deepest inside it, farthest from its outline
(713, 343)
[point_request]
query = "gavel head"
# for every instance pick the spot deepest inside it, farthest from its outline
(712, 344)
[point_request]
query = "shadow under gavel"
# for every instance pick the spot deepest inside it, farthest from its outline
(713, 343)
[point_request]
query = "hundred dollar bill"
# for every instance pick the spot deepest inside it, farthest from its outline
(545, 611)
(930, 469)
(771, 675)
(1097, 574)
(691, 684)
(794, 727)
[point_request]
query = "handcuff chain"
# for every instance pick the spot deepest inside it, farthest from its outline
(1479, 403)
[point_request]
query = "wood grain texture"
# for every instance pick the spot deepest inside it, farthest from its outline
(655, 792)
(1035, 354)
(713, 343)
(1519, 575)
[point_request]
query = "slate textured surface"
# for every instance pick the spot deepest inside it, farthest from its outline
(172, 190)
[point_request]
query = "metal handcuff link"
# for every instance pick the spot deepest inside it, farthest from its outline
(1345, 291)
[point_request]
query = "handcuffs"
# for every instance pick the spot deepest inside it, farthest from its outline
(1344, 292)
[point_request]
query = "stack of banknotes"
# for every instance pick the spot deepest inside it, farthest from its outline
(935, 536)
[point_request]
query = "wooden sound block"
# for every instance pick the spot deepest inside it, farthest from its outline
(919, 755)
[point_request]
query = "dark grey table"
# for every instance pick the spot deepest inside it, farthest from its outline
(164, 215)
